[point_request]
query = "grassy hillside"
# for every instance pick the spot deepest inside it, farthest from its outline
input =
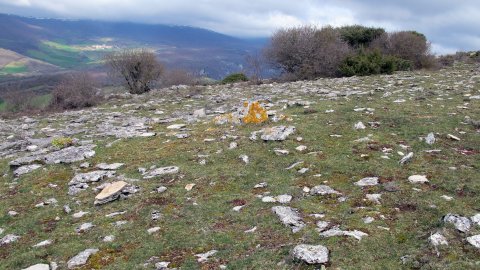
(397, 111)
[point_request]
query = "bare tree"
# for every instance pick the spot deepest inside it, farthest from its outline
(137, 68)
(17, 99)
(307, 52)
(76, 90)
(177, 77)
(255, 64)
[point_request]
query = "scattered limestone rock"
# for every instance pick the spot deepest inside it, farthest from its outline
(110, 193)
(374, 198)
(108, 238)
(311, 254)
(84, 227)
(203, 257)
(285, 198)
(39, 266)
(476, 219)
(453, 137)
(367, 181)
(437, 239)
(70, 154)
(430, 139)
(359, 125)
(81, 258)
(474, 240)
(418, 179)
(281, 152)
(335, 231)
(26, 169)
(79, 214)
(289, 217)
(153, 230)
(301, 148)
(244, 158)
(90, 177)
(462, 224)
(323, 190)
(278, 133)
(8, 239)
(176, 126)
(406, 158)
(43, 243)
(109, 167)
(161, 171)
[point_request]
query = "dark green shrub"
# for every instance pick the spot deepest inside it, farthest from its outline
(360, 36)
(368, 63)
(235, 77)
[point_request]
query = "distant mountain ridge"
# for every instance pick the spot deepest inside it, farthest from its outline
(59, 42)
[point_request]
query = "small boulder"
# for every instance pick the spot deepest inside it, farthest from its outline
(311, 254)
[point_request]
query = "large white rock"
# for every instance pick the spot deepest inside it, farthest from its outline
(81, 258)
(311, 254)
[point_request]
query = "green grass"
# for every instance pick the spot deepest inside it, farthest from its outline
(201, 219)
(14, 68)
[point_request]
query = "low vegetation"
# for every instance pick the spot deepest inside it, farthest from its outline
(137, 69)
(75, 91)
(235, 77)
(309, 52)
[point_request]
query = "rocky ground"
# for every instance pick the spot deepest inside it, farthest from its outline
(376, 172)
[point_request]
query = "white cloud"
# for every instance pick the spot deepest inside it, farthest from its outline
(450, 25)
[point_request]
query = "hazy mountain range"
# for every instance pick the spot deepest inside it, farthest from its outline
(80, 44)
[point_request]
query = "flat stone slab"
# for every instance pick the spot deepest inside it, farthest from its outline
(110, 192)
(161, 171)
(110, 167)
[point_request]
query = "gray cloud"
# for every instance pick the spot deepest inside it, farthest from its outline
(449, 25)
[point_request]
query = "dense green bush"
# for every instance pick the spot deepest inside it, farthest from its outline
(360, 36)
(368, 63)
(235, 77)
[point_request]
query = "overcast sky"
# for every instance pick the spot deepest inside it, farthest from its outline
(450, 25)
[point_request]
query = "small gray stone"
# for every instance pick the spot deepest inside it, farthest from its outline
(8, 239)
(368, 181)
(289, 217)
(323, 190)
(161, 171)
(81, 258)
